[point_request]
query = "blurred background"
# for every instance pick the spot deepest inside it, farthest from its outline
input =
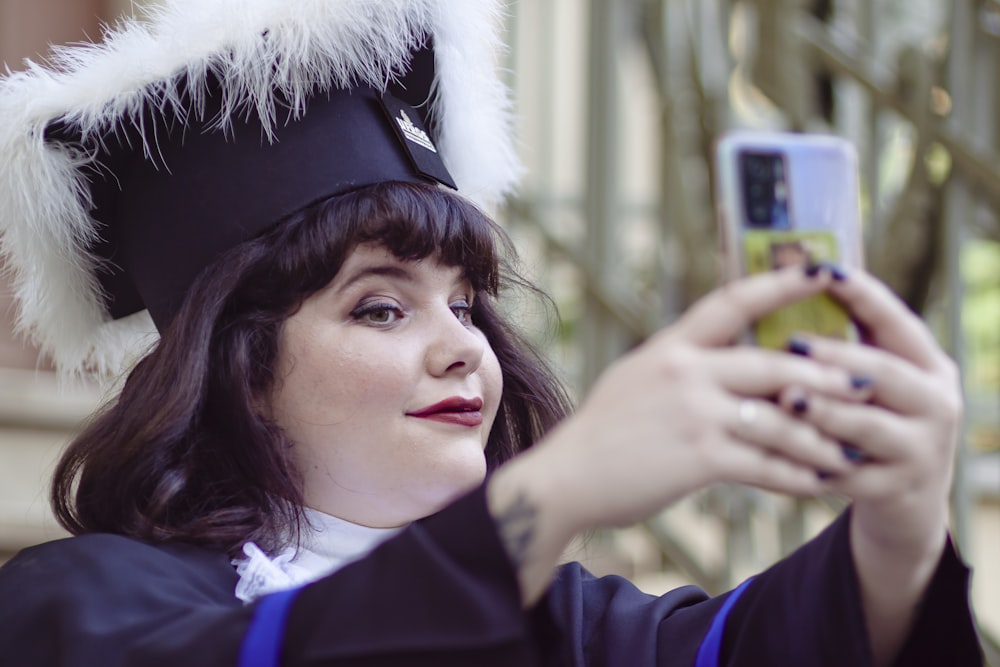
(619, 104)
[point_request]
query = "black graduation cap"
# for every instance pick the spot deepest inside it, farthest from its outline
(169, 207)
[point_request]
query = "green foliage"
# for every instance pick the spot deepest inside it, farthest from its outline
(981, 313)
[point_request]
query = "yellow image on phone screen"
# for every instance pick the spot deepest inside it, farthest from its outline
(820, 314)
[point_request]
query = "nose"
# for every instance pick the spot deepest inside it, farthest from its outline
(455, 348)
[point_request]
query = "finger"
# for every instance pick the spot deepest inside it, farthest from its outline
(764, 425)
(753, 371)
(879, 480)
(869, 431)
(870, 481)
(887, 320)
(760, 468)
(891, 381)
(724, 314)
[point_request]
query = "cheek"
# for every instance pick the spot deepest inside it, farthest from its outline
(306, 372)
(328, 387)
(492, 381)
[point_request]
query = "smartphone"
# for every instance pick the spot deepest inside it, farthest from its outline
(789, 198)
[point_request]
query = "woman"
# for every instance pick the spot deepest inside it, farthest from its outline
(337, 408)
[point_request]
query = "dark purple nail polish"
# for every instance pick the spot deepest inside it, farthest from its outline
(812, 269)
(860, 382)
(799, 347)
(800, 406)
(837, 272)
(852, 453)
(824, 475)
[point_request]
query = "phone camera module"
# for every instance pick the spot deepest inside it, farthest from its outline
(765, 191)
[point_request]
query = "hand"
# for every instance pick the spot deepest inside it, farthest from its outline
(908, 432)
(671, 416)
(683, 411)
(909, 428)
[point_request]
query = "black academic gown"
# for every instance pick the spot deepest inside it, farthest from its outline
(443, 593)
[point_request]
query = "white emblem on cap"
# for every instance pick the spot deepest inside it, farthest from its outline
(414, 133)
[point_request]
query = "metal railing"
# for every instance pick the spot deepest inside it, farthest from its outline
(708, 65)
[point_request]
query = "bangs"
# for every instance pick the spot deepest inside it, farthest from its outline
(415, 222)
(302, 254)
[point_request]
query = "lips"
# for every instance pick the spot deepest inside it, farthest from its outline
(455, 410)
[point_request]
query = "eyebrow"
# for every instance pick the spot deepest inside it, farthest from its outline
(389, 270)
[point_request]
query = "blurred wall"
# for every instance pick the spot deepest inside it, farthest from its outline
(37, 416)
(27, 29)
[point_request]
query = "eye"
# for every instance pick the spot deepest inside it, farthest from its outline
(377, 314)
(462, 310)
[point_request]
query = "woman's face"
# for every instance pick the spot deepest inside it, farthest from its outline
(387, 390)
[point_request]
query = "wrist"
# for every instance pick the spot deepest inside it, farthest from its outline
(532, 484)
(898, 547)
(904, 526)
(530, 519)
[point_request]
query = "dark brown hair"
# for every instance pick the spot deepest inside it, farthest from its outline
(185, 453)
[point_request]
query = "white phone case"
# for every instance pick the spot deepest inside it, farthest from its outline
(785, 198)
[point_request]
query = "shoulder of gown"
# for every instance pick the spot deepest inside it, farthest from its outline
(443, 592)
(80, 600)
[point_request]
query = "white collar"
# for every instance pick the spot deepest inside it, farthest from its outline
(326, 544)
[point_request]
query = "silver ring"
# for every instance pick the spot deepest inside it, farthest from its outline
(748, 412)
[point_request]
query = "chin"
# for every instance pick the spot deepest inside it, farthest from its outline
(456, 487)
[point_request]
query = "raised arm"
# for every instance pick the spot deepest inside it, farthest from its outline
(687, 409)
(681, 412)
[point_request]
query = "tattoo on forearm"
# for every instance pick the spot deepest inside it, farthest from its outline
(517, 528)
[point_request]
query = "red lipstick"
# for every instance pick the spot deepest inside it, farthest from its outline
(454, 410)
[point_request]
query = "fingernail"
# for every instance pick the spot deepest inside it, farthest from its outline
(800, 406)
(837, 272)
(860, 382)
(799, 347)
(824, 475)
(852, 453)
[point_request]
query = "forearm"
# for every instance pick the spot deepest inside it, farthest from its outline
(524, 501)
